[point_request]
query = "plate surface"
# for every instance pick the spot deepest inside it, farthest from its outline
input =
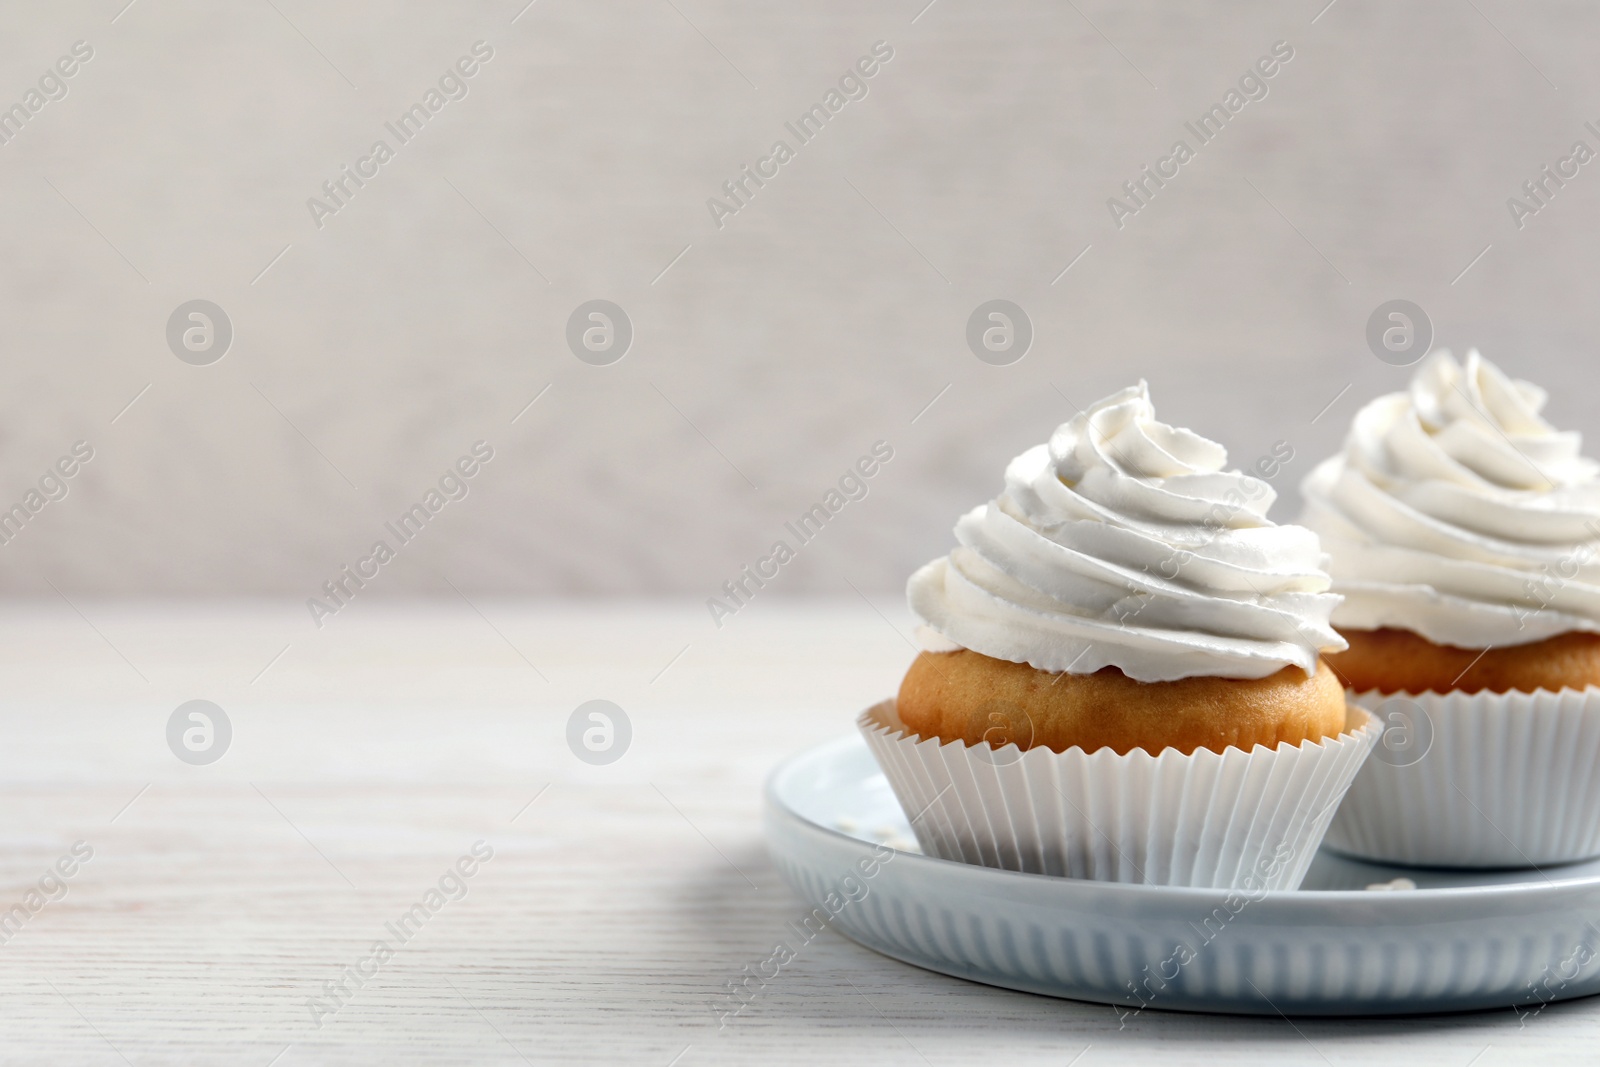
(1461, 940)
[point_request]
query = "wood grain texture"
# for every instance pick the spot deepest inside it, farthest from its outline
(614, 908)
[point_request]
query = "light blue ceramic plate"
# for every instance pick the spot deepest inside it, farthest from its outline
(1462, 940)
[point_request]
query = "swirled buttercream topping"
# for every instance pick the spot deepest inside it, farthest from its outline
(1456, 512)
(1123, 543)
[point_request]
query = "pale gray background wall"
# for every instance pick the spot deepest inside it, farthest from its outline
(819, 319)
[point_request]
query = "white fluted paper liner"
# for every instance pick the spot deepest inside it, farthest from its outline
(1232, 819)
(1505, 780)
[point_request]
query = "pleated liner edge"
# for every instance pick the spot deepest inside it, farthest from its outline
(1234, 819)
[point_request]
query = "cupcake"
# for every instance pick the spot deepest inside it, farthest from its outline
(1121, 676)
(1463, 532)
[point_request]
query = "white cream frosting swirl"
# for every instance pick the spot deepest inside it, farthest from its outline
(1457, 513)
(1123, 543)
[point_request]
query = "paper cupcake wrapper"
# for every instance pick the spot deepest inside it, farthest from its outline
(1477, 780)
(1227, 820)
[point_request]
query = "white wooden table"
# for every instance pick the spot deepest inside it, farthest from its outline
(371, 755)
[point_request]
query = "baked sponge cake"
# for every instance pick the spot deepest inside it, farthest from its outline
(967, 696)
(1395, 660)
